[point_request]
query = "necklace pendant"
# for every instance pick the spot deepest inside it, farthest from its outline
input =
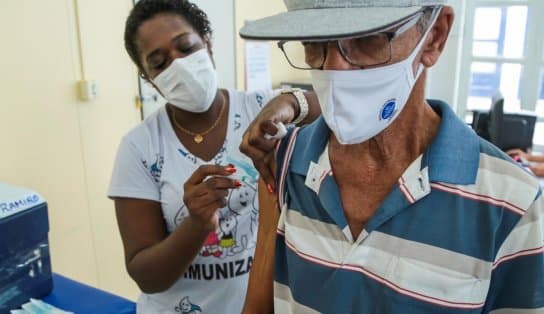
(198, 138)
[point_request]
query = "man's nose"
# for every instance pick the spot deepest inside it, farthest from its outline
(334, 59)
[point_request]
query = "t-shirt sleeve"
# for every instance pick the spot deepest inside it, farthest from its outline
(134, 175)
(283, 153)
(255, 101)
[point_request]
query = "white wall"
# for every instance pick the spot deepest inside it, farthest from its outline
(443, 78)
(102, 123)
(58, 145)
(281, 71)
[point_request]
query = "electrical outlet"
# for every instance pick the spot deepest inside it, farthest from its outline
(87, 90)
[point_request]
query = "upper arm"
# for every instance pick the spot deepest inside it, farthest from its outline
(259, 298)
(257, 100)
(136, 171)
(141, 225)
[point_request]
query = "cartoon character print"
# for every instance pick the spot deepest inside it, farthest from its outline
(211, 246)
(186, 307)
(260, 99)
(156, 168)
(237, 121)
(239, 199)
(227, 233)
(221, 242)
(243, 201)
(233, 237)
(217, 242)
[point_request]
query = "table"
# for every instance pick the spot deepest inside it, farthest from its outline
(79, 298)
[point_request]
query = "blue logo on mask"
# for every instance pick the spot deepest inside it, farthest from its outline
(388, 110)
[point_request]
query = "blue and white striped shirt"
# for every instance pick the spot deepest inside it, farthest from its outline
(461, 232)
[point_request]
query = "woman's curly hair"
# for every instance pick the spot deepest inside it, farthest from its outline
(146, 9)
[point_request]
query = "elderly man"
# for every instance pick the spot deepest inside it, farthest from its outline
(388, 203)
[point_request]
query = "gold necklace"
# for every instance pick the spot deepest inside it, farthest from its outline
(199, 137)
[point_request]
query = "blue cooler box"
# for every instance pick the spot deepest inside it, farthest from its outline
(25, 266)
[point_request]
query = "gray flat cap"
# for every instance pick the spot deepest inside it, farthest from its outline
(325, 19)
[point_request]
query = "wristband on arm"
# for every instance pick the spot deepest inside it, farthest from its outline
(302, 103)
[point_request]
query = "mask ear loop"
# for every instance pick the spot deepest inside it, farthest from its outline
(421, 67)
(408, 25)
(210, 51)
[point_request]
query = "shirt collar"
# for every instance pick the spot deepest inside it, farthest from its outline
(454, 154)
(455, 147)
(311, 142)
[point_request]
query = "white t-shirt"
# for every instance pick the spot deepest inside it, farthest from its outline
(153, 164)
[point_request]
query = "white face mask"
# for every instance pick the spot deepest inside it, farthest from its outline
(359, 104)
(189, 83)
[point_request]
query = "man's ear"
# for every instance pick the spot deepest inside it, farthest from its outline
(436, 41)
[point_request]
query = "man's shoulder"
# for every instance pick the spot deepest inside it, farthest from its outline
(494, 160)
(498, 182)
(307, 142)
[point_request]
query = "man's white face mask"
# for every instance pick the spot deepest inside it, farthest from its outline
(189, 83)
(359, 104)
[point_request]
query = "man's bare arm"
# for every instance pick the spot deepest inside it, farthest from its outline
(260, 294)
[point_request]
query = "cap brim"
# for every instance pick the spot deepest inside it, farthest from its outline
(324, 23)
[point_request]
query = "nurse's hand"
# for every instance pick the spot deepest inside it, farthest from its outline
(282, 108)
(206, 191)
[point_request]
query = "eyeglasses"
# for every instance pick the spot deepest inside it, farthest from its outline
(368, 50)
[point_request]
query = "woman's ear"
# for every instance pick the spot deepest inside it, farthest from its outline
(438, 35)
(208, 42)
(148, 80)
(142, 75)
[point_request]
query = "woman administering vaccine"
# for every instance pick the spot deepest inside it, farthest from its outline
(185, 196)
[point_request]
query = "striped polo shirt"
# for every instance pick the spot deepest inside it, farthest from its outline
(461, 232)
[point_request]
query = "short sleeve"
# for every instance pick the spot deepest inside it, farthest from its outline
(283, 154)
(134, 175)
(255, 101)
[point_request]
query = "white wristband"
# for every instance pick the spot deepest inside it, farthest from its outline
(302, 103)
